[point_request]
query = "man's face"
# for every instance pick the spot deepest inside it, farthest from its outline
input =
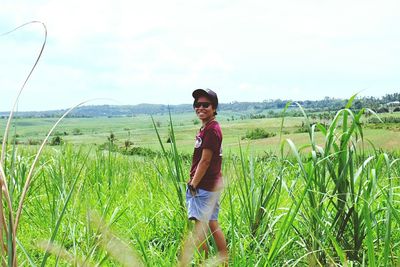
(204, 109)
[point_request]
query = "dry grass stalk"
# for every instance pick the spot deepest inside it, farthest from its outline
(61, 252)
(118, 249)
(3, 249)
(3, 180)
(3, 149)
(31, 170)
(11, 225)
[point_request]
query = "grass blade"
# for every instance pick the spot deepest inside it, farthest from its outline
(55, 231)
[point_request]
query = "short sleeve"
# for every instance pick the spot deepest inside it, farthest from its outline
(212, 141)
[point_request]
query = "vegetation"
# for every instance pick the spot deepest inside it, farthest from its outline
(326, 205)
(77, 131)
(140, 131)
(266, 108)
(56, 141)
(323, 201)
(389, 120)
(257, 133)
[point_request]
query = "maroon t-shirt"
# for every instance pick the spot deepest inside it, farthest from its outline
(211, 138)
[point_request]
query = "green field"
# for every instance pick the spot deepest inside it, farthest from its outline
(330, 204)
(140, 131)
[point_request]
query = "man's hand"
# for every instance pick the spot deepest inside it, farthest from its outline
(192, 189)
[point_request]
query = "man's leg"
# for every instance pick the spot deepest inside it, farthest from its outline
(195, 241)
(219, 240)
(200, 235)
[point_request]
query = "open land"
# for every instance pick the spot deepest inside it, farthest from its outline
(324, 202)
(140, 130)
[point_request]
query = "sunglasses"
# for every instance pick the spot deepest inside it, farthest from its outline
(201, 104)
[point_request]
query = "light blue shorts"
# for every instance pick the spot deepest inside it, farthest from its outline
(203, 206)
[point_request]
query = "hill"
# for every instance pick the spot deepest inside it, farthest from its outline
(326, 104)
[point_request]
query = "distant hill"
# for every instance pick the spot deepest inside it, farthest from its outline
(326, 104)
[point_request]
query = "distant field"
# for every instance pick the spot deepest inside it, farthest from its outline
(140, 131)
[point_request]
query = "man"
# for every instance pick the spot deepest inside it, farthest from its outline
(205, 184)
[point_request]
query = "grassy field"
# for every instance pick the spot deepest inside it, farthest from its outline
(331, 204)
(140, 131)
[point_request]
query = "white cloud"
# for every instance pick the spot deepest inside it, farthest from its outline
(281, 49)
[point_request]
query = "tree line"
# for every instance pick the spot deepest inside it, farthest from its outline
(325, 104)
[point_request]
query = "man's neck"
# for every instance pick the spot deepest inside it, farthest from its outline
(207, 122)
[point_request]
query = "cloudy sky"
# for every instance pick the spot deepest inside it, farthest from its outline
(159, 51)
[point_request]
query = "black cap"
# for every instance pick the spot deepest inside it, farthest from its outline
(207, 93)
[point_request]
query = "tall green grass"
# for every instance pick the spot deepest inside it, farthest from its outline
(289, 230)
(174, 164)
(335, 208)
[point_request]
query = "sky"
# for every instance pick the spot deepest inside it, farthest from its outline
(129, 52)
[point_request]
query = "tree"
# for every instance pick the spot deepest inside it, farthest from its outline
(56, 141)
(111, 138)
(382, 110)
(127, 144)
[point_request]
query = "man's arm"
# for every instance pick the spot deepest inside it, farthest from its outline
(204, 163)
